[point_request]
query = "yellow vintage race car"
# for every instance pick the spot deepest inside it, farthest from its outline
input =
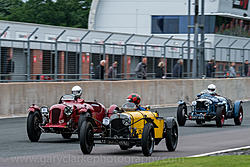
(127, 127)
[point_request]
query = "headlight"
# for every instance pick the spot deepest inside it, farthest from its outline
(68, 110)
(126, 121)
(194, 103)
(206, 103)
(105, 121)
(44, 111)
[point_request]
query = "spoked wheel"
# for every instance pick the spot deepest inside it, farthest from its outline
(80, 121)
(33, 130)
(220, 117)
(239, 118)
(66, 135)
(86, 137)
(148, 139)
(172, 137)
(181, 114)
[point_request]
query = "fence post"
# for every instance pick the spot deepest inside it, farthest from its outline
(4, 31)
(164, 50)
(28, 53)
(145, 46)
(56, 54)
(80, 56)
(125, 54)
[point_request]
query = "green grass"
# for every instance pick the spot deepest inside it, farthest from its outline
(210, 161)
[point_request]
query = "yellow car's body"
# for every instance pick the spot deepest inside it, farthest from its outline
(130, 126)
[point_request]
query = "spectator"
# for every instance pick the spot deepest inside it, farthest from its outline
(141, 69)
(160, 70)
(246, 67)
(91, 70)
(100, 70)
(232, 73)
(248, 74)
(113, 70)
(177, 72)
(211, 67)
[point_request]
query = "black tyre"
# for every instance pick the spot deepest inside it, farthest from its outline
(148, 139)
(86, 137)
(123, 147)
(80, 121)
(220, 118)
(66, 135)
(199, 122)
(181, 114)
(238, 120)
(172, 137)
(33, 130)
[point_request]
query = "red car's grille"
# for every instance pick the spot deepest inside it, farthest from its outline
(55, 115)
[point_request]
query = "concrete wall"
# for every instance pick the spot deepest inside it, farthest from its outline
(15, 98)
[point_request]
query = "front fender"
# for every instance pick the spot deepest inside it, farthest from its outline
(111, 109)
(237, 108)
(181, 102)
(86, 108)
(34, 108)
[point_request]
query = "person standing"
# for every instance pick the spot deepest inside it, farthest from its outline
(160, 70)
(113, 70)
(210, 69)
(91, 70)
(246, 67)
(232, 72)
(100, 70)
(177, 72)
(141, 69)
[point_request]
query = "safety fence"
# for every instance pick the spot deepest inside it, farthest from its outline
(67, 58)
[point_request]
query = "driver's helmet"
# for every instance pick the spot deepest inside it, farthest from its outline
(134, 98)
(211, 89)
(77, 91)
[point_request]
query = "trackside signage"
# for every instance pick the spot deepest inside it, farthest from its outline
(240, 4)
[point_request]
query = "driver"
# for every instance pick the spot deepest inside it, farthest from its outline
(77, 91)
(211, 89)
(135, 98)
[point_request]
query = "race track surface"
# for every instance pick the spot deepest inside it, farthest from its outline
(53, 151)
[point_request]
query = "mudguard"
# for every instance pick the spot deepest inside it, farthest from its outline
(170, 121)
(181, 102)
(86, 108)
(33, 108)
(236, 108)
(111, 110)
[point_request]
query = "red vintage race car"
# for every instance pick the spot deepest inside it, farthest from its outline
(63, 118)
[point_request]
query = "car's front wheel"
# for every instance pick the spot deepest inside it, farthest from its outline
(172, 137)
(220, 117)
(148, 139)
(86, 137)
(239, 118)
(82, 118)
(33, 130)
(181, 114)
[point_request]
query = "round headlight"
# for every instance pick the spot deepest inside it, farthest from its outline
(126, 121)
(68, 110)
(194, 103)
(105, 121)
(44, 111)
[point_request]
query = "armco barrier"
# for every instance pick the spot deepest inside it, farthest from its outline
(15, 98)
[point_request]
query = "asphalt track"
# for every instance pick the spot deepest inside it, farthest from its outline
(53, 151)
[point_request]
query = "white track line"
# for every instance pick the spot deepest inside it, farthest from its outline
(219, 152)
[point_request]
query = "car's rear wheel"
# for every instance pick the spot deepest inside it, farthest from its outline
(181, 114)
(123, 147)
(199, 122)
(86, 137)
(80, 121)
(33, 130)
(220, 118)
(239, 118)
(148, 139)
(172, 137)
(66, 135)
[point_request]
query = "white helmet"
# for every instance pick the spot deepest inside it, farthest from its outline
(77, 91)
(211, 89)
